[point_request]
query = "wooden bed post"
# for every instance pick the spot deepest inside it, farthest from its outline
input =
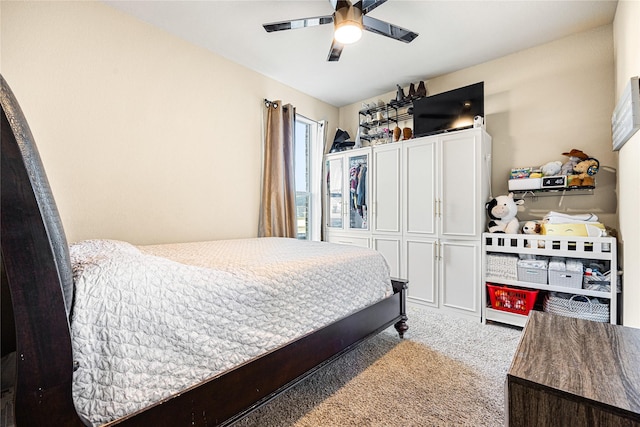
(401, 286)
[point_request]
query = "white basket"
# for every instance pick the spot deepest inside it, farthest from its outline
(578, 306)
(600, 284)
(566, 273)
(594, 284)
(503, 266)
(533, 275)
(565, 278)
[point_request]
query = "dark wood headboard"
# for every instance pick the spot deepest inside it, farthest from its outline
(8, 334)
(35, 272)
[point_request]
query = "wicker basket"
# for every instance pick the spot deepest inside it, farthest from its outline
(578, 306)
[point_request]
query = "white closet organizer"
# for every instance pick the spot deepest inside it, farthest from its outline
(346, 197)
(424, 213)
(583, 248)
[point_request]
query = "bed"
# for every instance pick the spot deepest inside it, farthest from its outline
(48, 279)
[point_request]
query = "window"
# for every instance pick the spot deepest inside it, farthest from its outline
(306, 140)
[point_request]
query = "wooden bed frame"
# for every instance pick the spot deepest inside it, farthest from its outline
(34, 262)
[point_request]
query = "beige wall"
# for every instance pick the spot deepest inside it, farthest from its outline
(627, 54)
(546, 100)
(145, 137)
(539, 103)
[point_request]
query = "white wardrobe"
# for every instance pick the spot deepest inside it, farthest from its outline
(425, 214)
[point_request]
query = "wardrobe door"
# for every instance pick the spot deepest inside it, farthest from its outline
(357, 192)
(387, 189)
(460, 176)
(419, 189)
(420, 258)
(459, 268)
(391, 249)
(334, 192)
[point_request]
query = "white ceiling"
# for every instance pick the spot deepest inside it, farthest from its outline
(452, 35)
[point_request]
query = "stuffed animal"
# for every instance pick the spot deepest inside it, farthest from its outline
(575, 157)
(531, 227)
(502, 212)
(551, 168)
(585, 171)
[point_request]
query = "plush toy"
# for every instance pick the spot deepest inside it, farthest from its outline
(502, 212)
(551, 168)
(585, 171)
(531, 227)
(575, 157)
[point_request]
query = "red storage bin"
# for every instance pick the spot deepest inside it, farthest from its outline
(519, 301)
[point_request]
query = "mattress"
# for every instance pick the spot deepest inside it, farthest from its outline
(150, 321)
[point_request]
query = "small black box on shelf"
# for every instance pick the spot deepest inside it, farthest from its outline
(559, 181)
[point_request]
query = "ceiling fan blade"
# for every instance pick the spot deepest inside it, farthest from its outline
(385, 29)
(298, 23)
(367, 6)
(335, 51)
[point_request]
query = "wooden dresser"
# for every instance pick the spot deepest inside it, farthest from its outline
(572, 372)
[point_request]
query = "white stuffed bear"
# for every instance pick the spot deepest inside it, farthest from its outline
(551, 168)
(502, 212)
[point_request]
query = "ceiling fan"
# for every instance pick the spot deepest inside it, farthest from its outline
(349, 20)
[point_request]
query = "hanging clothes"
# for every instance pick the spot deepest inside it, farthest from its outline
(354, 173)
(361, 189)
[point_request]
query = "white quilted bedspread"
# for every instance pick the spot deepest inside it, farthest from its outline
(147, 325)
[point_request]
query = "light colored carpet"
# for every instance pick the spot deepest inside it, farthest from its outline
(446, 372)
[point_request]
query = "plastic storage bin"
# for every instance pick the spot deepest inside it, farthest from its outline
(519, 301)
(566, 274)
(533, 271)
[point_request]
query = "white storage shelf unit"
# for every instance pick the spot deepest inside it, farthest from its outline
(583, 248)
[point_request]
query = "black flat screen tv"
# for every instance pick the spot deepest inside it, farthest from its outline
(447, 111)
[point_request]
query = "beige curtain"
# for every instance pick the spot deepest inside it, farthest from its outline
(278, 198)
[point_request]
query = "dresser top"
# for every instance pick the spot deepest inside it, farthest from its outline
(592, 360)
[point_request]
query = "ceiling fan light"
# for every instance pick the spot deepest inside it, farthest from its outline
(348, 32)
(348, 24)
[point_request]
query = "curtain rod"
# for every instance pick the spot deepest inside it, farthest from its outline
(273, 104)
